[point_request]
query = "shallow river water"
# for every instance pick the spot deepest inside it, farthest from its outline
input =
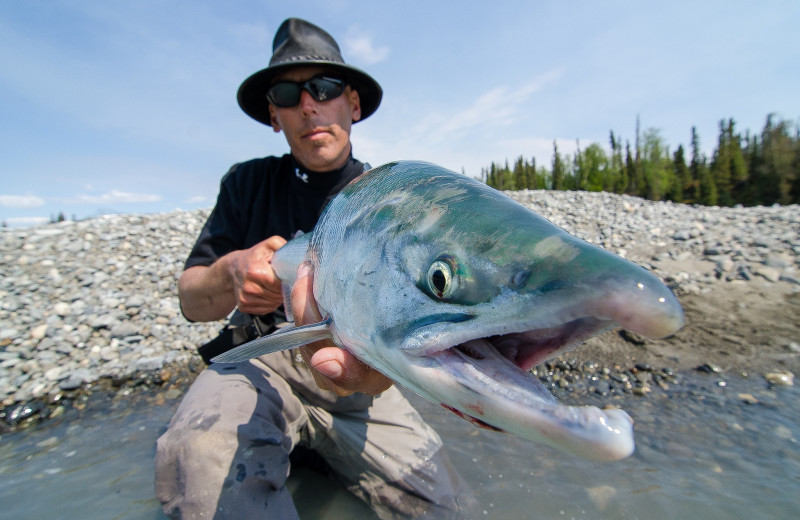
(705, 451)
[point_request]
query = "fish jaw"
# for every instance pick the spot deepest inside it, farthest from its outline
(513, 400)
(475, 381)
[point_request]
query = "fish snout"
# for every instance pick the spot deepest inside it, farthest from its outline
(645, 306)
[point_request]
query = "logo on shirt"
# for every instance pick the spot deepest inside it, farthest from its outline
(302, 176)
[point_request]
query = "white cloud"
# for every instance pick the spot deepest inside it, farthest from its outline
(500, 106)
(360, 48)
(115, 197)
(21, 201)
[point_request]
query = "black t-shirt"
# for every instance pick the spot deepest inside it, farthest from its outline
(274, 196)
(265, 197)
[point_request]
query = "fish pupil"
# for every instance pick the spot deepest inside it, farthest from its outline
(439, 281)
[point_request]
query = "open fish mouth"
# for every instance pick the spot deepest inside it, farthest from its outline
(496, 356)
(530, 348)
(501, 393)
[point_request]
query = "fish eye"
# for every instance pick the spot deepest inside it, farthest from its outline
(520, 278)
(442, 279)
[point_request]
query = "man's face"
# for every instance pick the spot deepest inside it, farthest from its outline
(318, 132)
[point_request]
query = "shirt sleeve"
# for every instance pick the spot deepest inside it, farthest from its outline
(223, 231)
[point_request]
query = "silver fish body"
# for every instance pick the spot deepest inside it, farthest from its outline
(455, 291)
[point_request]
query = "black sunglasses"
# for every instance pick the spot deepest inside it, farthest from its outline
(285, 94)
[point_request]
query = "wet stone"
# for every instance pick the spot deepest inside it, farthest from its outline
(709, 368)
(74, 380)
(780, 378)
(602, 387)
(748, 398)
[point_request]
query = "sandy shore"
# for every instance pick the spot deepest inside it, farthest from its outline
(744, 328)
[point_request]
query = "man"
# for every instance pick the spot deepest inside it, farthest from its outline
(226, 451)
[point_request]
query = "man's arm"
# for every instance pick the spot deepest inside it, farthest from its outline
(242, 279)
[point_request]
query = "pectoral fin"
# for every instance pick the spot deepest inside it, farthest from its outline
(286, 338)
(286, 291)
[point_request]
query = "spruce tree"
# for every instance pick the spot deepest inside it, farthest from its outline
(708, 188)
(721, 166)
(616, 171)
(532, 180)
(492, 177)
(795, 192)
(738, 165)
(519, 174)
(578, 171)
(559, 169)
(630, 170)
(779, 149)
(697, 167)
(682, 176)
(753, 195)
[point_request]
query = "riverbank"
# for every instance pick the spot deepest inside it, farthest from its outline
(88, 309)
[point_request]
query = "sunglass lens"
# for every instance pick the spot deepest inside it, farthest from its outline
(284, 94)
(323, 89)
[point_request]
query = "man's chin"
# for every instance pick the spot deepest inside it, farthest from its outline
(321, 157)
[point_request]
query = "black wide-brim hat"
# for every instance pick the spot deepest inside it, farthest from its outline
(299, 43)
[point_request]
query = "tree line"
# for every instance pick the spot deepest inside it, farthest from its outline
(749, 169)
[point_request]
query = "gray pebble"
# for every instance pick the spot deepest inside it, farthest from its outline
(123, 329)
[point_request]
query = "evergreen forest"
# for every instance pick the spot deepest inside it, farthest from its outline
(749, 169)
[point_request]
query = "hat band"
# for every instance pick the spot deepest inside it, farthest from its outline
(311, 58)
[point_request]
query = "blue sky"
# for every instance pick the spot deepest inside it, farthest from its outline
(129, 106)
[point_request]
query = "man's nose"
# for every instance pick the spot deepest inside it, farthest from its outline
(307, 103)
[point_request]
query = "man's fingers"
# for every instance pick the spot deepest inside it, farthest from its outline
(347, 373)
(274, 243)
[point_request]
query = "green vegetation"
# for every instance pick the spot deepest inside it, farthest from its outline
(744, 169)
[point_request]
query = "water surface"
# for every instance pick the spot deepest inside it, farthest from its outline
(704, 451)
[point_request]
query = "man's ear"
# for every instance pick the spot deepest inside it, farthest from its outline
(273, 118)
(355, 105)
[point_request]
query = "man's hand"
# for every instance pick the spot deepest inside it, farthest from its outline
(242, 279)
(256, 287)
(333, 368)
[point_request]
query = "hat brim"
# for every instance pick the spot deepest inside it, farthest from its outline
(252, 95)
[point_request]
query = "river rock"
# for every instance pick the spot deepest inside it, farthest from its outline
(770, 273)
(780, 378)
